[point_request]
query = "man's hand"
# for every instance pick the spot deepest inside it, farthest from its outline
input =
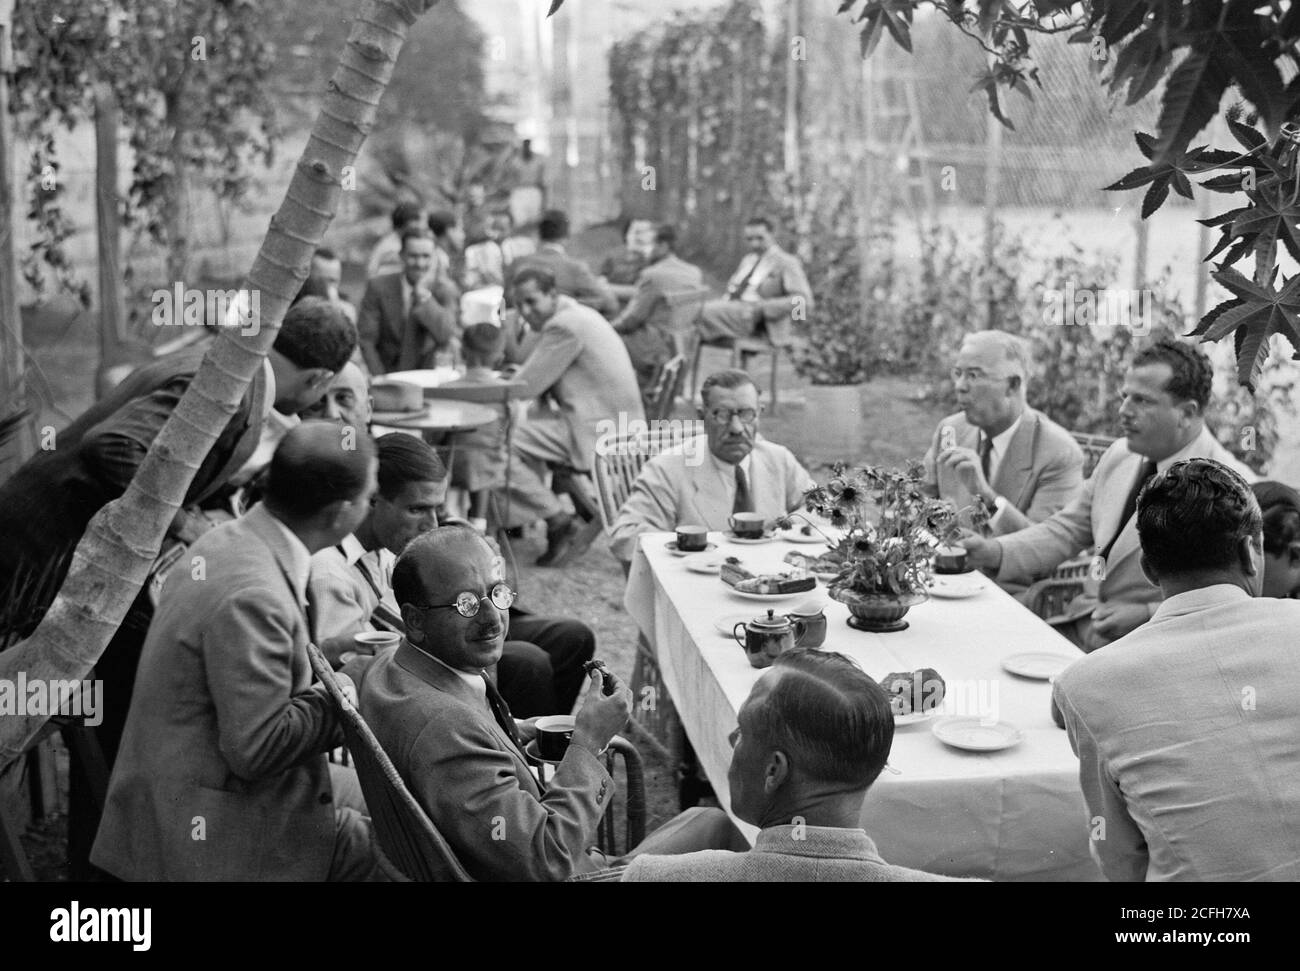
(964, 463)
(526, 729)
(982, 553)
(602, 716)
(1113, 620)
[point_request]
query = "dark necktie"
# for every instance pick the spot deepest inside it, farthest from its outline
(744, 501)
(986, 455)
(501, 712)
(1145, 473)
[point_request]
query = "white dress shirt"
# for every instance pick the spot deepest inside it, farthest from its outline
(727, 477)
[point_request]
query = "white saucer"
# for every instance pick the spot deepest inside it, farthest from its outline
(671, 547)
(795, 535)
(971, 734)
(1037, 665)
(704, 563)
(958, 586)
(916, 717)
(731, 537)
(769, 596)
(726, 626)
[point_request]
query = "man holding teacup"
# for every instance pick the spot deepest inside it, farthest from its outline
(741, 483)
(459, 750)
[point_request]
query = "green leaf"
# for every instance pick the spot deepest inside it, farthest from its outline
(1191, 100)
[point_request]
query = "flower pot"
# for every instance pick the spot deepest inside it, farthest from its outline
(878, 613)
(832, 420)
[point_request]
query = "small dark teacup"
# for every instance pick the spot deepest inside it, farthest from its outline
(692, 539)
(554, 732)
(950, 559)
(747, 525)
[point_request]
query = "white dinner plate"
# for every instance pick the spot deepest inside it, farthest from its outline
(704, 562)
(767, 596)
(726, 626)
(731, 537)
(1038, 665)
(971, 734)
(916, 717)
(795, 534)
(958, 586)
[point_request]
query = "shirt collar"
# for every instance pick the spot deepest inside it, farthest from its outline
(729, 470)
(1002, 440)
(1198, 446)
(1190, 601)
(351, 548)
(829, 842)
(299, 555)
(474, 681)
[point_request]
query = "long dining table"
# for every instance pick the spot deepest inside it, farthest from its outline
(1012, 814)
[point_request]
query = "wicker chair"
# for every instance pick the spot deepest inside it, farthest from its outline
(664, 391)
(409, 842)
(1094, 446)
(636, 799)
(615, 471)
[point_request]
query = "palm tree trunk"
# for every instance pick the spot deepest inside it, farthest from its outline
(111, 562)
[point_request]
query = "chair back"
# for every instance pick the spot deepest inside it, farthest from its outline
(1094, 447)
(406, 835)
(685, 307)
(616, 468)
(665, 388)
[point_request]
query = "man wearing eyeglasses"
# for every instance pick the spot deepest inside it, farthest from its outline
(453, 740)
(738, 472)
(997, 451)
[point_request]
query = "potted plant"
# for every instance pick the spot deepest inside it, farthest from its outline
(891, 530)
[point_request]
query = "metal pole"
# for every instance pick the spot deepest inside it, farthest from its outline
(992, 178)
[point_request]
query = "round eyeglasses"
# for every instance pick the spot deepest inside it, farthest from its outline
(467, 602)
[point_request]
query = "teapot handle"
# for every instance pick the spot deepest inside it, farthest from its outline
(739, 639)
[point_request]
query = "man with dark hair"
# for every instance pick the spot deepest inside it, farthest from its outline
(386, 256)
(582, 363)
(222, 773)
(406, 322)
(352, 586)
(646, 324)
(573, 278)
(703, 481)
(1280, 505)
(324, 279)
(813, 735)
(486, 259)
(1186, 728)
(449, 236)
(768, 293)
(457, 746)
(1165, 394)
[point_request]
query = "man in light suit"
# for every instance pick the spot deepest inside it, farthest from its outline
(1186, 728)
(459, 750)
(222, 772)
(582, 363)
(404, 324)
(690, 484)
(646, 324)
(1165, 392)
(573, 278)
(813, 735)
(769, 288)
(1015, 461)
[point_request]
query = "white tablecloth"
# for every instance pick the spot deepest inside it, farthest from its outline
(1012, 814)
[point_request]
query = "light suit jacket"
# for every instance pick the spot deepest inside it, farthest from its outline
(1088, 523)
(1186, 735)
(684, 484)
(810, 854)
(1041, 472)
(586, 368)
(783, 280)
(471, 779)
(221, 774)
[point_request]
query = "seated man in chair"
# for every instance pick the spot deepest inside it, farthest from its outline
(767, 293)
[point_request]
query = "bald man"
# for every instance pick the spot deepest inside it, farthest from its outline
(222, 772)
(347, 399)
(459, 750)
(997, 451)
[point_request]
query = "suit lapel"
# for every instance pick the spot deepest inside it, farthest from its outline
(950, 487)
(1014, 470)
(708, 500)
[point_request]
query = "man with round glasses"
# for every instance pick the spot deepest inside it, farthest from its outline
(739, 471)
(457, 747)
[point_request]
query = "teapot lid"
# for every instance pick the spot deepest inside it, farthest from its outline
(771, 620)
